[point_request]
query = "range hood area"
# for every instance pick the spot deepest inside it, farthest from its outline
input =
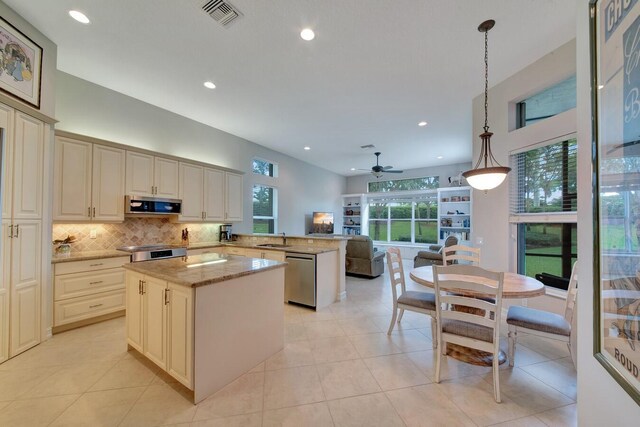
(139, 205)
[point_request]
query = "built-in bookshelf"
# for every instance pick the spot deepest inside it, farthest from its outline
(353, 213)
(454, 214)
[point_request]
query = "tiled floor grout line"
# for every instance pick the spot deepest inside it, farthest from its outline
(134, 403)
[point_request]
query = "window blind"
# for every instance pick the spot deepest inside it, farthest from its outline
(544, 179)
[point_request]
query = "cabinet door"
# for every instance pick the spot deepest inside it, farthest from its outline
(72, 180)
(108, 184)
(191, 187)
(213, 195)
(25, 286)
(134, 309)
(28, 158)
(6, 154)
(154, 320)
(166, 178)
(5, 259)
(139, 180)
(180, 319)
(234, 197)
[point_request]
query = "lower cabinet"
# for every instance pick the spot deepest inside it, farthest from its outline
(160, 324)
(249, 252)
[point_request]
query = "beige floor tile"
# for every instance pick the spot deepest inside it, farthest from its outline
(451, 368)
(161, 404)
(293, 354)
(35, 412)
(410, 340)
(395, 371)
(101, 408)
(551, 349)
(295, 332)
(360, 325)
(70, 379)
(525, 356)
(345, 379)
(323, 329)
(374, 345)
(557, 375)
(367, 410)
(243, 396)
(425, 406)
(248, 420)
(291, 387)
(369, 310)
(258, 368)
(383, 323)
(567, 416)
(332, 349)
(128, 372)
(4, 404)
(474, 397)
(316, 414)
(163, 377)
(46, 356)
(309, 315)
(530, 421)
(16, 382)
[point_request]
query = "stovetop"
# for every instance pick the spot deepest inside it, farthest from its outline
(152, 252)
(146, 248)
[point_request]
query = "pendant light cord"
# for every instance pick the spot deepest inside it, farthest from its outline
(486, 80)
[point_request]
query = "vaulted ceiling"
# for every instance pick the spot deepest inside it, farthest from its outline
(374, 70)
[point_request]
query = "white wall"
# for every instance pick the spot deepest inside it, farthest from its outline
(601, 401)
(491, 210)
(359, 183)
(85, 108)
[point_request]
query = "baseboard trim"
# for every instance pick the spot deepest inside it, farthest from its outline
(81, 323)
(342, 296)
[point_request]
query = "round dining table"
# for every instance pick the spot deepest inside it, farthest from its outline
(514, 286)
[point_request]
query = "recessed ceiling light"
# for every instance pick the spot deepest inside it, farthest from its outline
(600, 86)
(307, 34)
(79, 16)
(353, 169)
(422, 124)
(440, 157)
(307, 148)
(209, 85)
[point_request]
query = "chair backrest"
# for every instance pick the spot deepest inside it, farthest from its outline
(456, 253)
(360, 247)
(457, 287)
(572, 292)
(396, 271)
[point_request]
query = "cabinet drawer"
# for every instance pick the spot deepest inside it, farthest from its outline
(90, 265)
(88, 283)
(219, 250)
(81, 308)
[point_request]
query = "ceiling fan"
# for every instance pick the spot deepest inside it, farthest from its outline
(378, 170)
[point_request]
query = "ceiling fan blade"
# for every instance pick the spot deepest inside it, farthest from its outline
(387, 167)
(368, 170)
(393, 171)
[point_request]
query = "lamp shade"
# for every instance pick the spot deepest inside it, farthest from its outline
(486, 178)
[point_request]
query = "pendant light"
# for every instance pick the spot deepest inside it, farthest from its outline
(487, 174)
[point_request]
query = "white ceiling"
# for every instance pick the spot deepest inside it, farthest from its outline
(375, 69)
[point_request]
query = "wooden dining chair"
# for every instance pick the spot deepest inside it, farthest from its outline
(460, 254)
(465, 320)
(419, 302)
(544, 323)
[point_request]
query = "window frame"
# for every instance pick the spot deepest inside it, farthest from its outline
(274, 167)
(436, 179)
(274, 209)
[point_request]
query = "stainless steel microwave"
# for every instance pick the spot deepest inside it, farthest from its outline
(138, 205)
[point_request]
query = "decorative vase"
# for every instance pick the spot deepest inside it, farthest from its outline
(63, 249)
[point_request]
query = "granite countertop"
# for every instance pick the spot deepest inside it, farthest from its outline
(86, 255)
(289, 248)
(308, 236)
(201, 270)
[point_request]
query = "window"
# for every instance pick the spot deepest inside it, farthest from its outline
(543, 205)
(551, 101)
(408, 220)
(424, 183)
(263, 167)
(265, 209)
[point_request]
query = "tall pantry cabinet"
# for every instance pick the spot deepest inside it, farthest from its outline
(22, 154)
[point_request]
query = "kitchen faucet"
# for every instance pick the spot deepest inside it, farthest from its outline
(284, 238)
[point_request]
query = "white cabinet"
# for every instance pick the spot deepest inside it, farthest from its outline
(21, 241)
(209, 195)
(88, 182)
(149, 175)
(87, 290)
(160, 321)
(454, 214)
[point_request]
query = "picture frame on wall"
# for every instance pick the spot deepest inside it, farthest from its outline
(20, 65)
(615, 89)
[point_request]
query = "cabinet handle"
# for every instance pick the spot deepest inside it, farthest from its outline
(140, 287)
(166, 296)
(95, 305)
(94, 212)
(17, 231)
(95, 283)
(11, 231)
(89, 211)
(95, 265)
(143, 283)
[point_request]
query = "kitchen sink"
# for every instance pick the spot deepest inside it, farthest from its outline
(273, 245)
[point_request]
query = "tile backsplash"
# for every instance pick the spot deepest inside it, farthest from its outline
(133, 231)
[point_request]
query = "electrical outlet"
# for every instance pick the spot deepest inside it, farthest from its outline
(93, 234)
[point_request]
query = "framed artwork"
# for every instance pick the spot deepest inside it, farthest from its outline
(20, 65)
(615, 88)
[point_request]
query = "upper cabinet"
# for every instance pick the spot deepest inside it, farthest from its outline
(28, 158)
(149, 175)
(191, 187)
(88, 182)
(233, 197)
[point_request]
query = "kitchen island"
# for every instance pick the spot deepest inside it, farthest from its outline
(205, 319)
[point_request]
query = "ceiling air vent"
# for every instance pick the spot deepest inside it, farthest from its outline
(222, 11)
(367, 147)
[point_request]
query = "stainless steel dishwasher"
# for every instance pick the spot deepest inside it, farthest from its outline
(300, 279)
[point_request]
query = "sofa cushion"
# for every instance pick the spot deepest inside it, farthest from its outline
(466, 329)
(538, 320)
(424, 300)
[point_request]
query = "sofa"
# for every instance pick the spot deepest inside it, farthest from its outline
(433, 256)
(362, 258)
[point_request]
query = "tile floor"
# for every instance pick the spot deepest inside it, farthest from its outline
(338, 368)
